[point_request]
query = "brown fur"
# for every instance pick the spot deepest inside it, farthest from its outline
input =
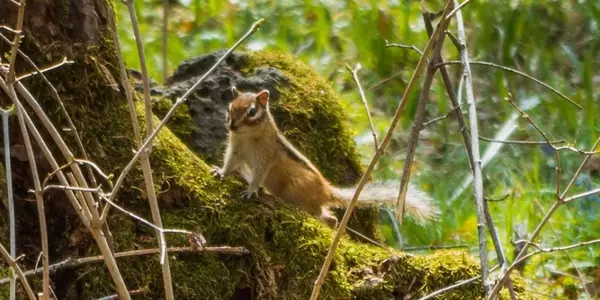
(275, 164)
(263, 156)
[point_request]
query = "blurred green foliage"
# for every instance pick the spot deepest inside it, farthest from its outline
(555, 41)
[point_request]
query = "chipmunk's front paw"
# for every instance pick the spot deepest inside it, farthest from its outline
(217, 173)
(247, 195)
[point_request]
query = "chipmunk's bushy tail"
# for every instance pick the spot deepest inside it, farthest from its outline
(418, 204)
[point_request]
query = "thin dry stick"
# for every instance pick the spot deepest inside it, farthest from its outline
(46, 69)
(435, 247)
(576, 175)
(476, 159)
(165, 40)
(413, 47)
(11, 202)
(354, 73)
(139, 291)
(145, 159)
(144, 221)
(366, 175)
(10, 78)
(581, 276)
(539, 250)
(62, 107)
(583, 195)
(458, 284)
(576, 150)
(81, 207)
(40, 206)
(560, 200)
(467, 143)
(62, 146)
(72, 263)
(435, 120)
(418, 124)
(458, 7)
(489, 64)
(15, 44)
(13, 264)
(178, 103)
(532, 143)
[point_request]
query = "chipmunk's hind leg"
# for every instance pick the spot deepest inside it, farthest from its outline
(328, 218)
(323, 214)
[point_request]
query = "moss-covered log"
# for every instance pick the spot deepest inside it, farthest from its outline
(287, 247)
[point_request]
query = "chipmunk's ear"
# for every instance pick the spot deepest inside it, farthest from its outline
(263, 97)
(234, 92)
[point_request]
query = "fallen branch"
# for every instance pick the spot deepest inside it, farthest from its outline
(72, 263)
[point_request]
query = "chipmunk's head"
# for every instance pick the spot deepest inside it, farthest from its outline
(247, 110)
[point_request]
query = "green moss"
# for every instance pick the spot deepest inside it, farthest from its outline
(180, 123)
(287, 247)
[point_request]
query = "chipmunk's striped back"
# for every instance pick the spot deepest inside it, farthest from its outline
(265, 158)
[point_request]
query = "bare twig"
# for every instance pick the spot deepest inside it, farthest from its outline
(70, 188)
(489, 64)
(15, 3)
(419, 68)
(500, 199)
(544, 250)
(62, 107)
(453, 110)
(40, 71)
(576, 175)
(576, 150)
(453, 38)
(142, 220)
(15, 43)
(368, 239)
(10, 198)
(13, 264)
(354, 73)
(413, 47)
(165, 40)
(532, 143)
(583, 195)
(435, 247)
(145, 159)
(458, 284)
(538, 129)
(560, 199)
(418, 121)
(581, 276)
(40, 206)
(72, 263)
(458, 7)
(476, 160)
(140, 291)
(84, 206)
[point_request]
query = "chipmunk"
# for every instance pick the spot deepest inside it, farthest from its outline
(259, 152)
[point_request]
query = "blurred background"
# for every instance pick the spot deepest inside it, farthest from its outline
(557, 42)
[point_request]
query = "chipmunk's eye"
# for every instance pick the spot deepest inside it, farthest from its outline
(252, 112)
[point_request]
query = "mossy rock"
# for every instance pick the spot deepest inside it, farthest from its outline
(286, 246)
